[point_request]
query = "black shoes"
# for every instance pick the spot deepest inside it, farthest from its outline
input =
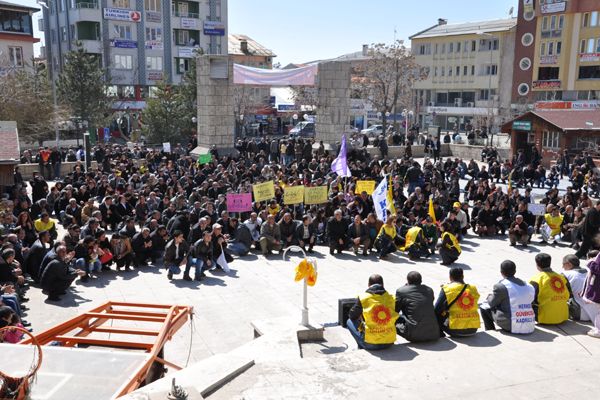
(187, 278)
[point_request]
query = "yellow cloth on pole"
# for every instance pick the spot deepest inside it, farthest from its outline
(390, 197)
(306, 270)
(431, 211)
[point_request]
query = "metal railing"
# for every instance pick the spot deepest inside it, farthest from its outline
(87, 5)
(186, 14)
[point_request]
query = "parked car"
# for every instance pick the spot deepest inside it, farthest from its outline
(373, 130)
(303, 129)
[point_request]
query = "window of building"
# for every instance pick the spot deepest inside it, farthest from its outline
(591, 45)
(586, 20)
(450, 47)
(435, 49)
(466, 46)
(485, 94)
(183, 65)
(123, 31)
(545, 24)
(153, 34)
(594, 18)
(589, 72)
(472, 70)
(442, 98)
(449, 71)
(63, 33)
(465, 70)
(424, 49)
(550, 48)
(458, 47)
(53, 35)
(582, 46)
(548, 73)
(491, 69)
(553, 21)
(458, 71)
(558, 48)
(543, 49)
(435, 71)
(183, 37)
(123, 61)
(15, 56)
(443, 71)
(551, 140)
(152, 5)
(154, 63)
(473, 45)
(443, 48)
(61, 5)
(561, 21)
(121, 3)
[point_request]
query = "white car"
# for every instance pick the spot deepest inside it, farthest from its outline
(373, 130)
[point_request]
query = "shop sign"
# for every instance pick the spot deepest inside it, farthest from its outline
(214, 28)
(546, 84)
(554, 7)
(153, 16)
(545, 60)
(189, 23)
(118, 14)
(123, 44)
(522, 125)
(155, 76)
(589, 57)
(186, 52)
(154, 45)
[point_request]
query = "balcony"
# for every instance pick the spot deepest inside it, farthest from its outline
(88, 10)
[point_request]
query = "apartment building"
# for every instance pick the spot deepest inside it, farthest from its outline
(16, 36)
(139, 42)
(469, 73)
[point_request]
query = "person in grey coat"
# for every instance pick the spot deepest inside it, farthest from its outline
(414, 302)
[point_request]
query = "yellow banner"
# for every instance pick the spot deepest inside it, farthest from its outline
(263, 191)
(293, 195)
(315, 195)
(365, 186)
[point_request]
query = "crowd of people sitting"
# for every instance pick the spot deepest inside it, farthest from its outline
(140, 205)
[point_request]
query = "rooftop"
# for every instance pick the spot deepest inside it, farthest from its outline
(467, 28)
(254, 48)
(571, 120)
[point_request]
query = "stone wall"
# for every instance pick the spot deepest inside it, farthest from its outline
(333, 111)
(216, 125)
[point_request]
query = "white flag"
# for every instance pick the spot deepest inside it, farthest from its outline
(380, 199)
(223, 262)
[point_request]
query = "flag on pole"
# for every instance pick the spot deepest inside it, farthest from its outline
(431, 211)
(340, 164)
(222, 262)
(510, 182)
(390, 196)
(382, 200)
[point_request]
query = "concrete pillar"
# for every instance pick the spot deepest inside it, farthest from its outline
(333, 110)
(216, 123)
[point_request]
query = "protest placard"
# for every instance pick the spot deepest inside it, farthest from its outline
(365, 186)
(239, 202)
(315, 195)
(263, 191)
(293, 195)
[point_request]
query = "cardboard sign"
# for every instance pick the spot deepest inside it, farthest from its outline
(204, 159)
(536, 209)
(241, 202)
(365, 186)
(293, 195)
(315, 195)
(263, 191)
(167, 147)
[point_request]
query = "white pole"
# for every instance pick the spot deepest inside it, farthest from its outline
(304, 321)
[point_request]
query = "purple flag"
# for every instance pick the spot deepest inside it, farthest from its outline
(340, 164)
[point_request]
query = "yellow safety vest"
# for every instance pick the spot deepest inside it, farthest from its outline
(552, 298)
(380, 316)
(463, 313)
(554, 223)
(454, 241)
(388, 230)
(411, 237)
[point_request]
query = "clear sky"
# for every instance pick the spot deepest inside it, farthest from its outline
(299, 31)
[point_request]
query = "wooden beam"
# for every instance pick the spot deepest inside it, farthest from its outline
(169, 364)
(102, 342)
(126, 331)
(125, 317)
(139, 313)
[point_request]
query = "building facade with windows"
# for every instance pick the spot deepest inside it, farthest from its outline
(139, 42)
(16, 36)
(468, 69)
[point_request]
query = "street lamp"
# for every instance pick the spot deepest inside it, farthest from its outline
(407, 115)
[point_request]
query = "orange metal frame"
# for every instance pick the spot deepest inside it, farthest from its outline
(170, 317)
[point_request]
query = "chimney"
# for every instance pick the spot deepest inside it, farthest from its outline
(244, 46)
(442, 21)
(365, 50)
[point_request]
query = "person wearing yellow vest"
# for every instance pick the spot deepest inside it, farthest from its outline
(551, 293)
(45, 223)
(456, 306)
(387, 237)
(552, 224)
(450, 249)
(372, 320)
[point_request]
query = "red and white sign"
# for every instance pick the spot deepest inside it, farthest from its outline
(554, 7)
(546, 84)
(589, 57)
(545, 60)
(119, 14)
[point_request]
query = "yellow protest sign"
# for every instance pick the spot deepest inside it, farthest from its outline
(263, 191)
(293, 195)
(365, 186)
(315, 195)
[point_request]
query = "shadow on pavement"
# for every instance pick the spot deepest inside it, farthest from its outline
(538, 336)
(480, 339)
(68, 300)
(398, 352)
(443, 344)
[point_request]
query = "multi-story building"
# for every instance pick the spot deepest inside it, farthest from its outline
(139, 42)
(16, 36)
(469, 74)
(558, 54)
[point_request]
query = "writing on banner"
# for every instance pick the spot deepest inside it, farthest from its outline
(293, 195)
(315, 195)
(263, 191)
(365, 186)
(239, 202)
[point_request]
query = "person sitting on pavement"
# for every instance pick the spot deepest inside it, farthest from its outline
(176, 256)
(45, 223)
(449, 248)
(270, 236)
(415, 243)
(337, 229)
(372, 318)
(142, 247)
(202, 255)
(456, 306)
(576, 275)
(551, 293)
(518, 232)
(486, 221)
(387, 238)
(414, 302)
(552, 227)
(430, 232)
(359, 235)
(287, 228)
(591, 293)
(509, 304)
(58, 275)
(306, 234)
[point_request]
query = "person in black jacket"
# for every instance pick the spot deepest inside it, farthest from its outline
(36, 255)
(414, 302)
(589, 230)
(110, 214)
(306, 234)
(58, 275)
(359, 235)
(142, 247)
(337, 232)
(176, 256)
(287, 227)
(202, 255)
